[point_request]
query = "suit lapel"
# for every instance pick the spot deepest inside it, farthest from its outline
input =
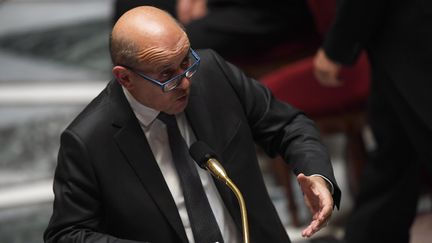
(133, 143)
(199, 117)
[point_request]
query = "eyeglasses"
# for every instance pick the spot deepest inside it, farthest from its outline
(173, 82)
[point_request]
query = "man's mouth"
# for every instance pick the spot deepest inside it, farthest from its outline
(183, 96)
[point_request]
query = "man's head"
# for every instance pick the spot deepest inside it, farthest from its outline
(148, 42)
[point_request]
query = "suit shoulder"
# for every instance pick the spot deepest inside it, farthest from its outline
(93, 117)
(208, 54)
(211, 61)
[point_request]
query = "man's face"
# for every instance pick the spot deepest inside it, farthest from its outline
(163, 66)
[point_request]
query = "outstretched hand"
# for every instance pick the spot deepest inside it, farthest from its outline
(318, 199)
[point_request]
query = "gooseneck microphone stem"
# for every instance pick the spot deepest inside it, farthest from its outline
(206, 159)
(243, 212)
(214, 167)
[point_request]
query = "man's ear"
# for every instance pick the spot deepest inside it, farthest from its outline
(122, 76)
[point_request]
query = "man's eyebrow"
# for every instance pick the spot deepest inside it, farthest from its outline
(165, 67)
(169, 66)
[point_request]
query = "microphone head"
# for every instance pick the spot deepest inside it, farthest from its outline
(201, 153)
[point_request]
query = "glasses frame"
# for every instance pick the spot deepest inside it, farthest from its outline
(178, 78)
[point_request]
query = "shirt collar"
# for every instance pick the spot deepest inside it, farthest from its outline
(144, 114)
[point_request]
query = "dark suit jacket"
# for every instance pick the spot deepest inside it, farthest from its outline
(108, 185)
(397, 35)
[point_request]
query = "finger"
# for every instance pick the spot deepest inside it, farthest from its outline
(320, 221)
(323, 214)
(327, 77)
(322, 77)
(326, 212)
(308, 231)
(314, 227)
(330, 80)
(311, 229)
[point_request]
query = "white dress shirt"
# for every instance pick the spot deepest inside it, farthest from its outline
(157, 137)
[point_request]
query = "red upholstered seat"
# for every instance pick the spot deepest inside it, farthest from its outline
(258, 64)
(296, 84)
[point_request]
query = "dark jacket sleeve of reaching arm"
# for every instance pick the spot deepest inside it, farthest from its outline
(280, 129)
(76, 213)
(353, 26)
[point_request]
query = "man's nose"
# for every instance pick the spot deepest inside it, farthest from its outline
(184, 83)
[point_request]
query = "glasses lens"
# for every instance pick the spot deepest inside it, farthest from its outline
(191, 71)
(173, 84)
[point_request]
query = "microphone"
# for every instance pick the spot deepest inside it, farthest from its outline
(206, 158)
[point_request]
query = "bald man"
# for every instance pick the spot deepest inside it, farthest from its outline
(116, 180)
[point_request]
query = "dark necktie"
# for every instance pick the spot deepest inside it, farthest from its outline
(202, 220)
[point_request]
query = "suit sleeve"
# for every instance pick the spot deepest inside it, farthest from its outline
(354, 24)
(77, 211)
(280, 129)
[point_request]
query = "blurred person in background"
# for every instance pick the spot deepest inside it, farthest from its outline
(397, 37)
(235, 27)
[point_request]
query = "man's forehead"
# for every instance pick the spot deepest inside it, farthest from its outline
(158, 57)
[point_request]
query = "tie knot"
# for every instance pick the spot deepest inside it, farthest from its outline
(167, 119)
